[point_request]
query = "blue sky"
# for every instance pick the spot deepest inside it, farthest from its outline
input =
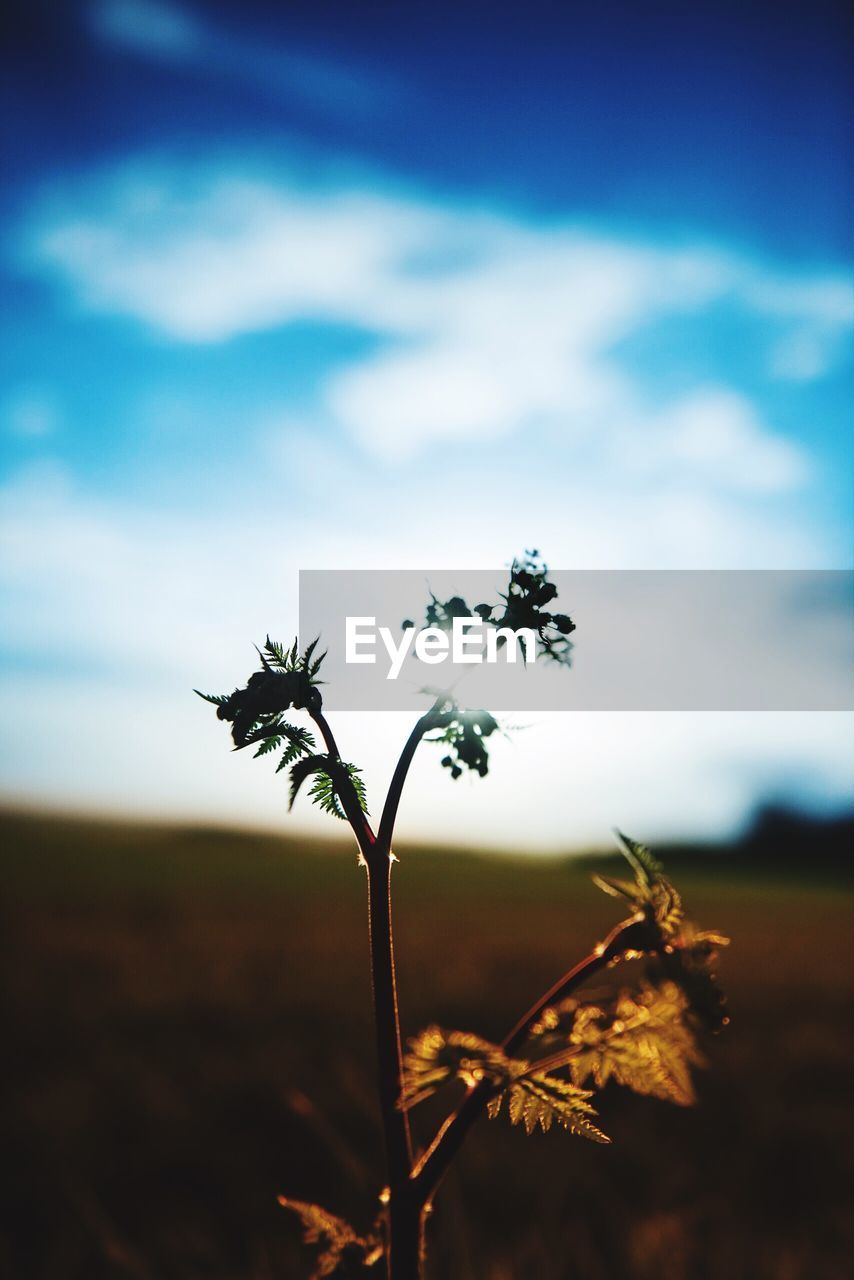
(410, 286)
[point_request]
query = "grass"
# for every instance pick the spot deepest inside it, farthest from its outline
(188, 1033)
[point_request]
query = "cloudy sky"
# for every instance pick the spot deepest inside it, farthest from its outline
(331, 286)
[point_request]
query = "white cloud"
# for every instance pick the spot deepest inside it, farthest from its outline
(719, 431)
(714, 434)
(489, 325)
(116, 611)
(120, 612)
(240, 258)
(828, 302)
(819, 315)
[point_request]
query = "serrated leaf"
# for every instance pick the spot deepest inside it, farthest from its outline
(306, 657)
(317, 664)
(303, 769)
(358, 786)
(436, 1056)
(276, 652)
(650, 893)
(647, 869)
(300, 742)
(342, 1245)
(644, 1044)
(290, 660)
(667, 907)
(324, 794)
(218, 699)
(540, 1100)
(325, 790)
(533, 1097)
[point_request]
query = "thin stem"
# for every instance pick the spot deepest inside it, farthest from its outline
(362, 829)
(404, 1212)
(432, 1165)
(326, 733)
(411, 1187)
(395, 790)
(599, 958)
(387, 1020)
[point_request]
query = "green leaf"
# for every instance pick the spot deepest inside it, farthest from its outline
(317, 664)
(300, 742)
(323, 794)
(303, 769)
(534, 1097)
(326, 788)
(358, 786)
(218, 699)
(306, 657)
(436, 1056)
(651, 894)
(269, 730)
(540, 1099)
(643, 1043)
(276, 653)
(647, 869)
(325, 791)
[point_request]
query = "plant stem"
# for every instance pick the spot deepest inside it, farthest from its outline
(406, 1244)
(405, 1216)
(432, 1165)
(599, 958)
(411, 1187)
(365, 837)
(395, 789)
(387, 1022)
(406, 1209)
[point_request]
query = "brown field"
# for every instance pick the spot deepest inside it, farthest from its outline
(188, 1034)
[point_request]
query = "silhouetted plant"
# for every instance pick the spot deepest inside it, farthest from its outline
(547, 1068)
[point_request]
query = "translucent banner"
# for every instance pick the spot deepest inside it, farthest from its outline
(619, 640)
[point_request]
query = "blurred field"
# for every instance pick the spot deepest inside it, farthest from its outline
(187, 1034)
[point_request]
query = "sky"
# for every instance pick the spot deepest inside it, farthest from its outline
(410, 286)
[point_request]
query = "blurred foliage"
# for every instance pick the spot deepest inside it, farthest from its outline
(344, 1254)
(646, 1041)
(167, 1074)
(642, 1040)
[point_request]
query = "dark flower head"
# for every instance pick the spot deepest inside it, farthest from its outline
(267, 692)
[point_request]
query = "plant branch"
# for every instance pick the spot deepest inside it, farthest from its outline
(362, 829)
(404, 1223)
(617, 942)
(431, 1167)
(326, 732)
(395, 790)
(396, 1135)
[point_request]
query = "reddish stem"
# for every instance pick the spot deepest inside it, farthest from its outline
(431, 1167)
(404, 1212)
